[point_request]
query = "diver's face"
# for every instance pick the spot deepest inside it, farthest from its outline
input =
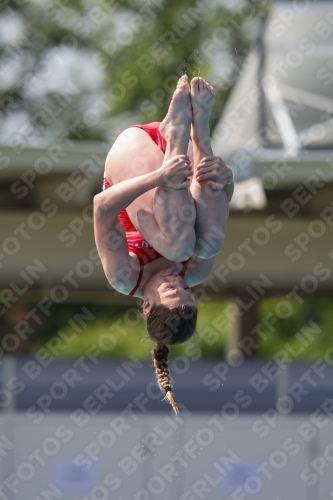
(168, 288)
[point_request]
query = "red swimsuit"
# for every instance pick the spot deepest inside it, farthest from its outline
(136, 244)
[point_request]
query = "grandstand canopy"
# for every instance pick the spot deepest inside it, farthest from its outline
(282, 104)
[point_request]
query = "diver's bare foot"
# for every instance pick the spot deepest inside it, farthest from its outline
(202, 99)
(177, 123)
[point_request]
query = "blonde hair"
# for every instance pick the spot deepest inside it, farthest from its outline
(169, 326)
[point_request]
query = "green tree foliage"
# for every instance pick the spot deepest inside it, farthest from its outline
(117, 331)
(80, 69)
(302, 329)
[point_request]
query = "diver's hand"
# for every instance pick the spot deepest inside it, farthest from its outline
(212, 168)
(174, 173)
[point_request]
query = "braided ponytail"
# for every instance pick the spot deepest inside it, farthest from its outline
(169, 326)
(160, 358)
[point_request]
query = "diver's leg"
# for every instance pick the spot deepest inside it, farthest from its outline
(212, 207)
(174, 210)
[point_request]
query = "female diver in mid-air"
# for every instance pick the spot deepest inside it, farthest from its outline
(159, 226)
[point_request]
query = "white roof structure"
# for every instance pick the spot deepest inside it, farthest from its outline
(282, 103)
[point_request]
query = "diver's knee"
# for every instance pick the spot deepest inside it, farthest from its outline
(182, 249)
(204, 250)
